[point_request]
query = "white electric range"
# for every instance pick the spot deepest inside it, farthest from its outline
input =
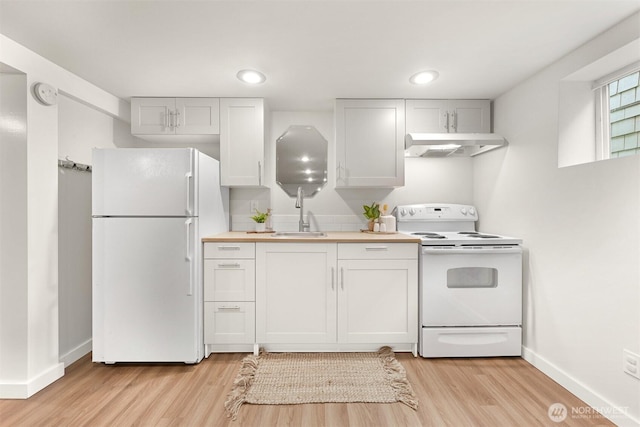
(470, 283)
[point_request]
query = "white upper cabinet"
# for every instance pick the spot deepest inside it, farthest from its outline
(370, 142)
(242, 142)
(448, 116)
(175, 116)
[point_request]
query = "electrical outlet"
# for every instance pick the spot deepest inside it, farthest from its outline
(253, 206)
(631, 363)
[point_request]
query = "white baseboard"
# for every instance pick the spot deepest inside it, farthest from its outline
(616, 415)
(24, 390)
(76, 353)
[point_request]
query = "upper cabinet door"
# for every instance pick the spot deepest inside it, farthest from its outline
(197, 116)
(470, 116)
(427, 116)
(242, 142)
(152, 116)
(175, 116)
(369, 143)
(448, 116)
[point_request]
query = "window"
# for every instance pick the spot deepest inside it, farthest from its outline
(588, 128)
(624, 116)
(619, 115)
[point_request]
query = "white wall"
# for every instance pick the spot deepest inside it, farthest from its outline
(426, 180)
(80, 129)
(13, 226)
(74, 264)
(29, 331)
(83, 127)
(581, 231)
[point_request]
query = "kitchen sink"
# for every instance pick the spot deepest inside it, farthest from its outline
(304, 234)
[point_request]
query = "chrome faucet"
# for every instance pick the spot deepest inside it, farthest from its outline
(302, 226)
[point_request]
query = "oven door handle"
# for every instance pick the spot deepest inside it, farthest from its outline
(474, 250)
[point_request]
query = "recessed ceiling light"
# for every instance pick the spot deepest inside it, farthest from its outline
(251, 76)
(423, 77)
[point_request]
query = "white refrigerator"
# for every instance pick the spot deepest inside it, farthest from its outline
(151, 208)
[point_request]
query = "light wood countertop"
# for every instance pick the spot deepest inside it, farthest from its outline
(331, 237)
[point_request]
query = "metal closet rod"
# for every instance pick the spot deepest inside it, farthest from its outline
(70, 164)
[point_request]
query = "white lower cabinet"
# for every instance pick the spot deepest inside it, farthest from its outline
(295, 293)
(377, 301)
(336, 296)
(378, 293)
(229, 297)
(229, 322)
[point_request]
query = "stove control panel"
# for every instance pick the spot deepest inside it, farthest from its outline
(435, 212)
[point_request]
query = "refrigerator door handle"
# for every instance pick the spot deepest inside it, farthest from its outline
(189, 180)
(187, 227)
(188, 177)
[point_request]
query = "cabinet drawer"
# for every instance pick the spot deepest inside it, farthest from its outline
(229, 250)
(229, 279)
(229, 322)
(378, 251)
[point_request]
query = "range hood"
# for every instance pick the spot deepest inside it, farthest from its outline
(451, 144)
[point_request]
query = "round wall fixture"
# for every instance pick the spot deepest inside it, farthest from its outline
(45, 94)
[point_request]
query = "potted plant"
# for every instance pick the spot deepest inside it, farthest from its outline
(372, 213)
(260, 218)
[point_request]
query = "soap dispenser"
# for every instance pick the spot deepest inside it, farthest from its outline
(268, 223)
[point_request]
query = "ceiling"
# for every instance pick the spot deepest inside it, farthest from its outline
(312, 51)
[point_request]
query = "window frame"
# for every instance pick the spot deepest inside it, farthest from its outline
(603, 110)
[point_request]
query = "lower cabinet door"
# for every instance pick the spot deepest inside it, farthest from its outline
(295, 293)
(229, 280)
(229, 322)
(378, 301)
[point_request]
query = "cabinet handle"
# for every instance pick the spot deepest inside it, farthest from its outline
(171, 122)
(230, 265)
(229, 248)
(229, 308)
(454, 125)
(177, 121)
(259, 172)
(342, 278)
(376, 248)
(333, 284)
(446, 121)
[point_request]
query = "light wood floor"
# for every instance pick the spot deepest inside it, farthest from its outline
(451, 392)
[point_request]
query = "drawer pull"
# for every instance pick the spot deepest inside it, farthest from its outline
(229, 308)
(229, 248)
(229, 265)
(376, 248)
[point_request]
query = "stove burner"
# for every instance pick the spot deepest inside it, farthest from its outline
(477, 235)
(430, 235)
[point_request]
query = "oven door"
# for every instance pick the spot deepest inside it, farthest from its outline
(471, 286)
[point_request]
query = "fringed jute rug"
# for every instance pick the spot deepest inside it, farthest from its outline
(294, 378)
